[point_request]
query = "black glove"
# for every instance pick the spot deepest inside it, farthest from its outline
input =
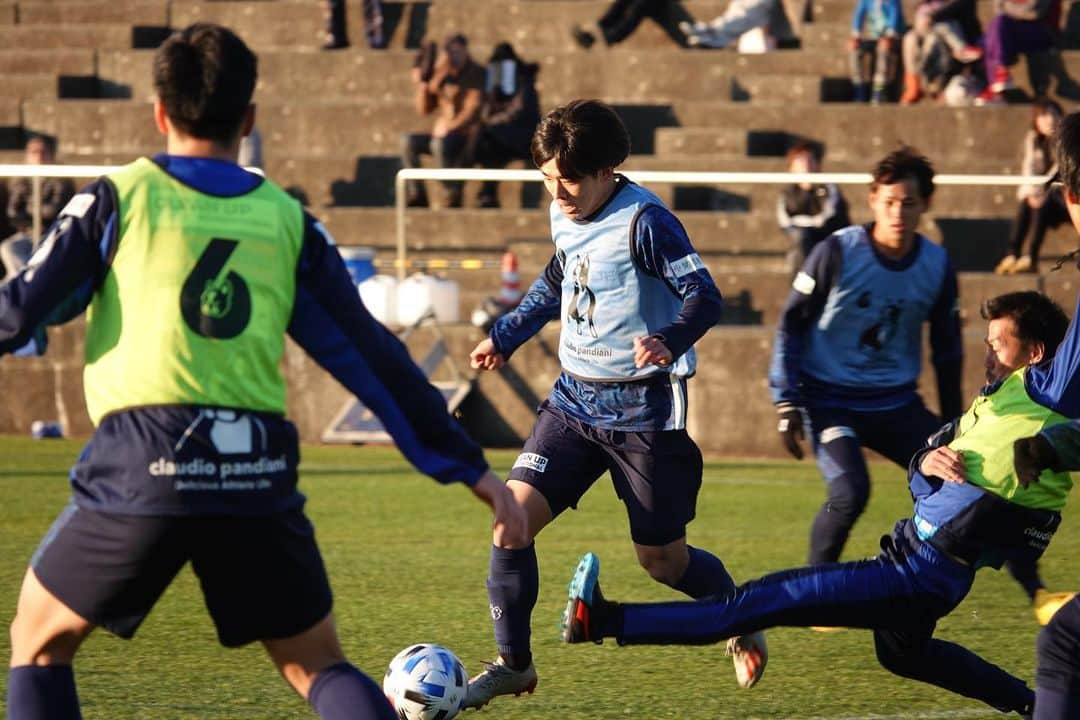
(1032, 455)
(789, 423)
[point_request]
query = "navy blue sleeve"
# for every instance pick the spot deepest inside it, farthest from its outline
(1065, 439)
(59, 280)
(539, 306)
(947, 344)
(1056, 384)
(662, 249)
(332, 325)
(809, 291)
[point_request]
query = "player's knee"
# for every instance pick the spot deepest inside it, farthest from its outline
(848, 496)
(661, 568)
(896, 660)
(35, 643)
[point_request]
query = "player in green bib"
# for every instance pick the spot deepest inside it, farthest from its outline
(193, 270)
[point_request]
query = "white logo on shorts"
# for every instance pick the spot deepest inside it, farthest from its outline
(531, 461)
(496, 612)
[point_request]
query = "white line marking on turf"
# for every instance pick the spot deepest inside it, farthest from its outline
(911, 716)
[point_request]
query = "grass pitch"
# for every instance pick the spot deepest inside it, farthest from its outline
(408, 558)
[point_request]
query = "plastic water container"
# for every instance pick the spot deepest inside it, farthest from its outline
(359, 261)
(380, 293)
(420, 293)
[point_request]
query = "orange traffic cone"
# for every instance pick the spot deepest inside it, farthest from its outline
(510, 289)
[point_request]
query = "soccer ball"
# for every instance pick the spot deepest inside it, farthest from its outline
(426, 682)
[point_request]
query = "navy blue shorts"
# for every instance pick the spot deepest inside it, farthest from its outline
(262, 577)
(657, 474)
(897, 433)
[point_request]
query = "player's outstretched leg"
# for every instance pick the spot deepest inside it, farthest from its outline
(589, 617)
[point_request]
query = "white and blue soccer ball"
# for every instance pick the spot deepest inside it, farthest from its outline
(426, 682)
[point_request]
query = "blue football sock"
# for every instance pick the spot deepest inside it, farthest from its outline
(42, 692)
(705, 576)
(513, 584)
(341, 692)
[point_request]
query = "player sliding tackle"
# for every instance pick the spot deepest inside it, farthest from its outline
(927, 564)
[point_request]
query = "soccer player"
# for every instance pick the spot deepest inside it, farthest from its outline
(194, 270)
(848, 350)
(927, 564)
(633, 297)
(1023, 328)
(1057, 679)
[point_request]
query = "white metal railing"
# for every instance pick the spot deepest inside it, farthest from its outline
(663, 176)
(37, 172)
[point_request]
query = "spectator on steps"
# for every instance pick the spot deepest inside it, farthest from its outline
(337, 34)
(943, 34)
(876, 28)
(808, 212)
(16, 249)
(1021, 26)
(452, 88)
(620, 19)
(1041, 208)
(510, 115)
(740, 17)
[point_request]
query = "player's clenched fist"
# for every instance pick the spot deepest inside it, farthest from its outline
(944, 463)
(651, 350)
(485, 357)
(789, 423)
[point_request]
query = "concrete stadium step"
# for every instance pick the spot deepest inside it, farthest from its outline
(94, 12)
(65, 37)
(354, 129)
(56, 62)
(864, 133)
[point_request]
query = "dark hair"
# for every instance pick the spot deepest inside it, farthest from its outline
(903, 163)
(805, 146)
(205, 76)
(1037, 317)
(584, 136)
(47, 140)
(1067, 145)
(1041, 105)
(504, 51)
(455, 38)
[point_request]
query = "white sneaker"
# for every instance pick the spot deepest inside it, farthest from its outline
(749, 653)
(499, 678)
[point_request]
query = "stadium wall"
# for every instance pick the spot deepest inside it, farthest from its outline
(729, 409)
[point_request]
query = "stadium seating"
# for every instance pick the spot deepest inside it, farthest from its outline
(331, 125)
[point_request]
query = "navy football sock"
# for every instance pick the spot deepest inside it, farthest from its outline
(42, 692)
(341, 692)
(1053, 705)
(513, 584)
(705, 576)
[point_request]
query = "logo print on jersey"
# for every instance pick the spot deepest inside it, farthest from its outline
(878, 335)
(582, 296)
(213, 304)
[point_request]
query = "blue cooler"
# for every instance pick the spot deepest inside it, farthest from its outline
(359, 261)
